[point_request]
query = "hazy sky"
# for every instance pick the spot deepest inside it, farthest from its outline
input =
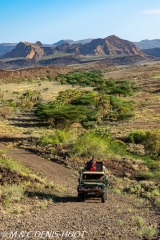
(52, 20)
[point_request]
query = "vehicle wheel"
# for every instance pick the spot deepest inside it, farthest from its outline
(103, 197)
(80, 197)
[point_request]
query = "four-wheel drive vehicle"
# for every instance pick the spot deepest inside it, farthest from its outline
(92, 184)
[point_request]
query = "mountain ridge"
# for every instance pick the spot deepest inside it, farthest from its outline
(70, 41)
(111, 45)
(148, 44)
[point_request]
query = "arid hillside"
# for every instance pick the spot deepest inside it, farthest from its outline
(46, 191)
(28, 50)
(31, 73)
(111, 45)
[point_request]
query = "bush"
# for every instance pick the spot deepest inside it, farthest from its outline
(91, 78)
(152, 142)
(86, 107)
(121, 109)
(63, 116)
(117, 147)
(139, 221)
(13, 193)
(58, 137)
(150, 231)
(88, 144)
(146, 175)
(96, 79)
(14, 166)
(137, 136)
(150, 139)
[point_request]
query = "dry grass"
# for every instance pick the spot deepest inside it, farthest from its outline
(146, 77)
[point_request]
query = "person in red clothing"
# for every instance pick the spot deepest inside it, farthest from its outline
(93, 164)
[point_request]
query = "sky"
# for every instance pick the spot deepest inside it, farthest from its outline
(49, 21)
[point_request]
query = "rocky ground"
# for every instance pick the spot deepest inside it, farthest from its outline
(122, 216)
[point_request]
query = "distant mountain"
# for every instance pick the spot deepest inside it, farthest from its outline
(88, 40)
(6, 47)
(29, 51)
(154, 52)
(110, 46)
(148, 44)
(70, 41)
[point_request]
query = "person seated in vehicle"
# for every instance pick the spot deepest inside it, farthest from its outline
(91, 165)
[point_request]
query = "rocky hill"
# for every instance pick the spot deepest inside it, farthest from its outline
(66, 47)
(29, 51)
(110, 46)
(29, 73)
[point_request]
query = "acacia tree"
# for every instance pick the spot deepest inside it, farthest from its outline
(62, 117)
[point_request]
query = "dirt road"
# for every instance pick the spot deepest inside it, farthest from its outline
(67, 218)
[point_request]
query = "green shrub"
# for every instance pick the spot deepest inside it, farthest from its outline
(117, 147)
(121, 109)
(14, 210)
(89, 144)
(152, 142)
(14, 166)
(60, 136)
(146, 175)
(121, 88)
(85, 107)
(139, 221)
(63, 116)
(14, 193)
(137, 136)
(149, 232)
(150, 139)
(91, 78)
(157, 202)
(96, 79)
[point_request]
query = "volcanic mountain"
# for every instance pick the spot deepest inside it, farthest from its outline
(29, 51)
(110, 46)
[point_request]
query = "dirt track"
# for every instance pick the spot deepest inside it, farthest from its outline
(112, 220)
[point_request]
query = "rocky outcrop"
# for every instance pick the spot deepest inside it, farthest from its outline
(29, 51)
(111, 45)
(63, 47)
(26, 50)
(66, 47)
